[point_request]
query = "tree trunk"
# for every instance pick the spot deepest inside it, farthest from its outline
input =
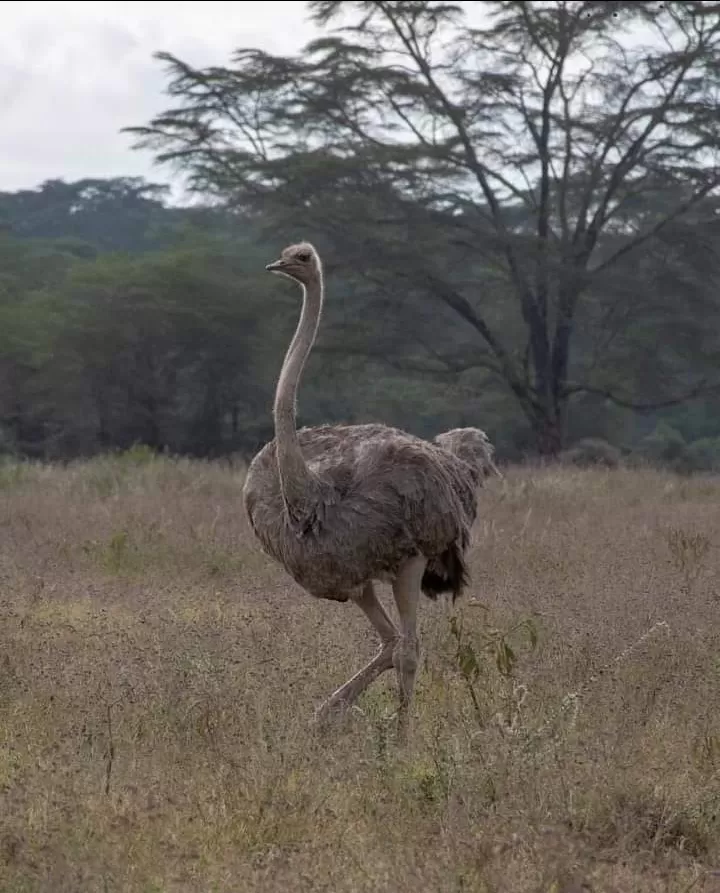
(549, 429)
(550, 439)
(551, 368)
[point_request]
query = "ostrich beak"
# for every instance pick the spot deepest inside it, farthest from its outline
(495, 470)
(275, 265)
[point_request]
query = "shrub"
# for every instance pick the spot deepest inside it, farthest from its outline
(592, 451)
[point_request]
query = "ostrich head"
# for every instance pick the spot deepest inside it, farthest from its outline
(472, 446)
(298, 262)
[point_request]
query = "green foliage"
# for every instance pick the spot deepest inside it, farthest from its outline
(138, 454)
(155, 350)
(498, 194)
(499, 646)
(703, 455)
(119, 214)
(664, 444)
(592, 451)
(177, 348)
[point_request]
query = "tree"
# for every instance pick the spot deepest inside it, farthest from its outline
(473, 169)
(157, 348)
(120, 213)
(27, 270)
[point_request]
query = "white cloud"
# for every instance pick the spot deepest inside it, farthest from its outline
(72, 74)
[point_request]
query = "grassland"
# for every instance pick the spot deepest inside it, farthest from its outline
(157, 674)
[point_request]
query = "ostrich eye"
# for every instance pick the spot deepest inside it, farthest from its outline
(304, 256)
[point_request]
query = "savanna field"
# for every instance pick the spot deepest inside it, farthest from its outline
(157, 675)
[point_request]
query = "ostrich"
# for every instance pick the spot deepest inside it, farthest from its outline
(342, 506)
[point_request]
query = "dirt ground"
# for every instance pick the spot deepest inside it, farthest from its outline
(157, 675)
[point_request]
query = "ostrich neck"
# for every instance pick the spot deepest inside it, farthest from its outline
(296, 480)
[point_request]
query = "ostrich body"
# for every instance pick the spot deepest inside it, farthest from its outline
(340, 506)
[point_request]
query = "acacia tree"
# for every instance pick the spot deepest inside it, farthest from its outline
(467, 165)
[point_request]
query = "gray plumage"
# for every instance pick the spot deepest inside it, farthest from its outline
(341, 506)
(383, 497)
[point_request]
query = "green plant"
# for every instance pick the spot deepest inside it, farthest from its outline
(499, 646)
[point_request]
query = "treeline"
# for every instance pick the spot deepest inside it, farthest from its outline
(125, 320)
(128, 321)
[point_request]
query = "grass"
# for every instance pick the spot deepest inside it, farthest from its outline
(157, 674)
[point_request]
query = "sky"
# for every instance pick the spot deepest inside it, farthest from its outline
(72, 74)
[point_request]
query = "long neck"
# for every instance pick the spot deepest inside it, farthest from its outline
(296, 480)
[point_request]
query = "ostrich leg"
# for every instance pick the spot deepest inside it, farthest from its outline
(347, 694)
(406, 589)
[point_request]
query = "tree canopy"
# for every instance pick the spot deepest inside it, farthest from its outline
(517, 193)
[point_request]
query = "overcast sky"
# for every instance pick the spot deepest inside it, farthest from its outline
(73, 73)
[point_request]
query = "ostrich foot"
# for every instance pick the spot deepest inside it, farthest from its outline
(344, 697)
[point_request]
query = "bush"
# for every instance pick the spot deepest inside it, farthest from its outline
(592, 451)
(700, 455)
(664, 445)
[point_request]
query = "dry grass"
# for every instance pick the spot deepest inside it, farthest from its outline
(157, 674)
